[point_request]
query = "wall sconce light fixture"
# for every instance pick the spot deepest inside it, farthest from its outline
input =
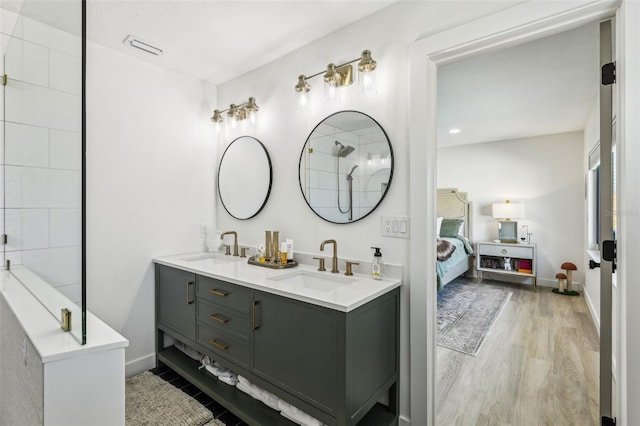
(337, 76)
(236, 113)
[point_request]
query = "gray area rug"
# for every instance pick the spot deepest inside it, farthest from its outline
(152, 401)
(466, 313)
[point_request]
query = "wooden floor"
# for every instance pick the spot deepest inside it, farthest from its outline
(539, 365)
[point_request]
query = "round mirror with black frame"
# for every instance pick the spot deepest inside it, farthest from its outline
(244, 177)
(346, 167)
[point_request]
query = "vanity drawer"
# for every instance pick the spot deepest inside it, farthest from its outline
(217, 316)
(230, 295)
(227, 345)
(503, 250)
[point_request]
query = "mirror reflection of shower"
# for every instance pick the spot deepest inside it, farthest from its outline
(343, 152)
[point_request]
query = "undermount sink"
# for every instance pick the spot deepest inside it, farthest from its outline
(209, 259)
(318, 281)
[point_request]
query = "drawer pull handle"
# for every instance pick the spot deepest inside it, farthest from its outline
(222, 346)
(255, 313)
(218, 318)
(189, 301)
(503, 251)
(218, 292)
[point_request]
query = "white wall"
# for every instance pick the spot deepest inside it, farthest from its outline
(150, 170)
(388, 34)
(545, 173)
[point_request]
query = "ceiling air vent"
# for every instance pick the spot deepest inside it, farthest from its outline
(134, 41)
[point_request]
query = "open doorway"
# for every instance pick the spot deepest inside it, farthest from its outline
(518, 124)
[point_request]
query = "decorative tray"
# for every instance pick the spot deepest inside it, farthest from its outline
(278, 265)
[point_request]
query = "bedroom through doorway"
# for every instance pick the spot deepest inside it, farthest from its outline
(517, 124)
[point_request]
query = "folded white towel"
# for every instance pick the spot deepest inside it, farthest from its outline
(221, 372)
(232, 381)
(295, 415)
(188, 350)
(258, 393)
(245, 388)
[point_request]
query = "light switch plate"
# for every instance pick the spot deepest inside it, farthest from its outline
(395, 226)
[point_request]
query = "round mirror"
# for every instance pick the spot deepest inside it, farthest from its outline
(244, 177)
(346, 167)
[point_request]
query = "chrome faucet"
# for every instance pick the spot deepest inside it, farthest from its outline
(235, 240)
(334, 259)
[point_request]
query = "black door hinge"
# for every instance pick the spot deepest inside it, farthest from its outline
(608, 421)
(609, 252)
(609, 73)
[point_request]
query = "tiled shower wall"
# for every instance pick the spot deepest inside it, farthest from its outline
(41, 162)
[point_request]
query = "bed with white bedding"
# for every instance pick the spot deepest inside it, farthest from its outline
(455, 253)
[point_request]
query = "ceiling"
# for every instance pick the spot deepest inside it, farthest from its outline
(212, 40)
(538, 88)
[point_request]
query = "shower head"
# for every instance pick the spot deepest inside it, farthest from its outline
(343, 151)
(351, 172)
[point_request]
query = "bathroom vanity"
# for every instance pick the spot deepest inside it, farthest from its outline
(325, 343)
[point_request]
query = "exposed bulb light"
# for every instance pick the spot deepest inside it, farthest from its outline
(236, 113)
(366, 73)
(302, 91)
(337, 76)
(454, 131)
(218, 120)
(232, 116)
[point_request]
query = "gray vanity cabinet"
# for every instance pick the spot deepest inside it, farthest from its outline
(333, 365)
(176, 296)
(296, 347)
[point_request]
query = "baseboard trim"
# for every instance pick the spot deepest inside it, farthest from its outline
(147, 362)
(404, 421)
(594, 316)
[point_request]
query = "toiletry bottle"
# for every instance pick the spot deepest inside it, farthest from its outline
(283, 253)
(377, 266)
(289, 249)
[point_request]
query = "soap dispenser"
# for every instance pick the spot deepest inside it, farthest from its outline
(377, 266)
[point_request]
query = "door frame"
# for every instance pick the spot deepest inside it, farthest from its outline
(519, 24)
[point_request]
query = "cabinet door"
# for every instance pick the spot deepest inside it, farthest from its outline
(176, 300)
(295, 347)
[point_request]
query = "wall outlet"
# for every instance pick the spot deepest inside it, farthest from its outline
(395, 226)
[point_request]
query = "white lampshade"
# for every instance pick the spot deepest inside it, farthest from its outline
(508, 210)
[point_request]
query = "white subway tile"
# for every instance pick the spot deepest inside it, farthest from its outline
(26, 145)
(65, 150)
(35, 105)
(12, 187)
(65, 227)
(29, 187)
(13, 101)
(53, 38)
(57, 266)
(14, 58)
(65, 72)
(35, 229)
(10, 24)
(35, 64)
(13, 229)
(65, 112)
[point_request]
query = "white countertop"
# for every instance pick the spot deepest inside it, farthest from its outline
(43, 329)
(359, 290)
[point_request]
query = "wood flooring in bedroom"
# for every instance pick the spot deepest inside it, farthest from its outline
(539, 365)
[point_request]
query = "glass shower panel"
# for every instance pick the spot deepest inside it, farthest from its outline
(42, 157)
